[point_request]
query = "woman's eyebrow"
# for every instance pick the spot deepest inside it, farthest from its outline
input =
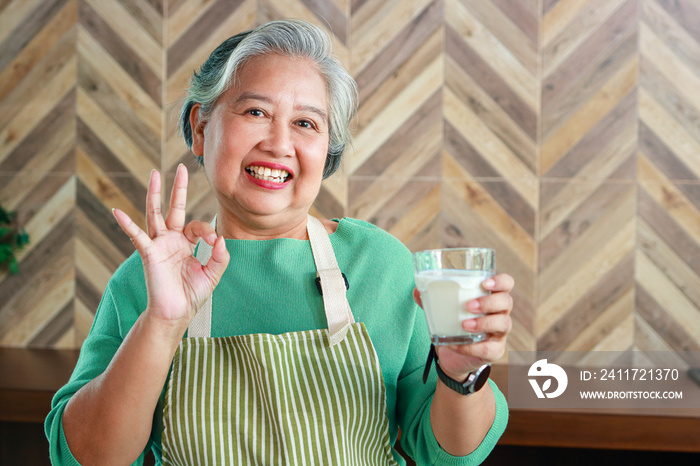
(248, 95)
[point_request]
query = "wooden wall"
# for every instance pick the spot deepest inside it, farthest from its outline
(564, 133)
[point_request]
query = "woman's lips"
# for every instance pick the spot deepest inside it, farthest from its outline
(269, 175)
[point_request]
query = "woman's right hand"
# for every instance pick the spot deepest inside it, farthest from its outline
(177, 284)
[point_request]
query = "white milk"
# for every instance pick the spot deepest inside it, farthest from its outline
(444, 294)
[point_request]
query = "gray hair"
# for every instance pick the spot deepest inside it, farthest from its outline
(293, 38)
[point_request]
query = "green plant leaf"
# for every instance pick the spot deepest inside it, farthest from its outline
(14, 268)
(22, 238)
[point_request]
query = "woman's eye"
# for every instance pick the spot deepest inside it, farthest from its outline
(255, 112)
(305, 124)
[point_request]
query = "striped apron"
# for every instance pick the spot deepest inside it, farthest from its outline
(313, 397)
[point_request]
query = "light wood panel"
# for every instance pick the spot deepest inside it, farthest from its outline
(38, 66)
(490, 107)
(668, 306)
(587, 176)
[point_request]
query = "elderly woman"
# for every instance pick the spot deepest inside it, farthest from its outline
(269, 336)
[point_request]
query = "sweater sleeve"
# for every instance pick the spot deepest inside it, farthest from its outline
(108, 330)
(413, 402)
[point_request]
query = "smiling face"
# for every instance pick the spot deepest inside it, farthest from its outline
(264, 145)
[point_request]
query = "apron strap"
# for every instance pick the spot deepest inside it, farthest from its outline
(335, 302)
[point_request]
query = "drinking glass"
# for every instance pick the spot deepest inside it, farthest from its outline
(446, 279)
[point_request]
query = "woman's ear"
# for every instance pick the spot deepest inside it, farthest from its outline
(197, 123)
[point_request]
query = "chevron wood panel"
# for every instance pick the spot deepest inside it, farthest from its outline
(667, 269)
(490, 107)
(118, 141)
(587, 163)
(37, 134)
(395, 165)
(563, 133)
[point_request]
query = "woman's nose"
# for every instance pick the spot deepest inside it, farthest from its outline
(278, 140)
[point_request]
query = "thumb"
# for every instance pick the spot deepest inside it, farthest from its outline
(216, 266)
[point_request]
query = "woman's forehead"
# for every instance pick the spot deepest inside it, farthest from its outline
(273, 78)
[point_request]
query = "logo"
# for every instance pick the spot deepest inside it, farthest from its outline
(542, 368)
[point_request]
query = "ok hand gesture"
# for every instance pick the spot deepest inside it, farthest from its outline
(177, 283)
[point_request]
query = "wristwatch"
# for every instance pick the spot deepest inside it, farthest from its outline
(475, 380)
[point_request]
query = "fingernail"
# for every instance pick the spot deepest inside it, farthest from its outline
(489, 283)
(469, 324)
(473, 305)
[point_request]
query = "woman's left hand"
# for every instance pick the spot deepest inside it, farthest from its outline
(457, 361)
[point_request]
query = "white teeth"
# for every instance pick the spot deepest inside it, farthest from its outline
(268, 174)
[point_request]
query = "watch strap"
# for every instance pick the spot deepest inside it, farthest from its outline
(475, 381)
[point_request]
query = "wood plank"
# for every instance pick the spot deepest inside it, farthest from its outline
(586, 261)
(144, 130)
(373, 29)
(585, 215)
(669, 64)
(557, 15)
(524, 15)
(27, 27)
(40, 106)
(36, 53)
(664, 193)
(491, 113)
(506, 31)
(144, 45)
(120, 51)
(567, 135)
(413, 97)
(516, 76)
(412, 146)
(667, 96)
(590, 79)
(674, 266)
(484, 141)
(491, 82)
(402, 58)
(595, 24)
(114, 138)
(97, 63)
(178, 77)
(473, 165)
(675, 303)
(477, 197)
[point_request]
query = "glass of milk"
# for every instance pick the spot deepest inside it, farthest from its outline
(446, 280)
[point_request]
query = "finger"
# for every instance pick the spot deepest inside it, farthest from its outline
(492, 324)
(154, 217)
(195, 230)
(178, 200)
(139, 237)
(499, 282)
(218, 262)
(492, 303)
(486, 352)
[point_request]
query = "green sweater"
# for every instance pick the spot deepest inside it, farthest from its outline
(269, 287)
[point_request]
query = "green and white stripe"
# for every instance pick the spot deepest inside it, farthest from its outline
(277, 399)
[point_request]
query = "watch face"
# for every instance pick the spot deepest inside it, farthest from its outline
(482, 377)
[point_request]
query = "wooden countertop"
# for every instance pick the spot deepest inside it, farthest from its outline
(658, 430)
(30, 377)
